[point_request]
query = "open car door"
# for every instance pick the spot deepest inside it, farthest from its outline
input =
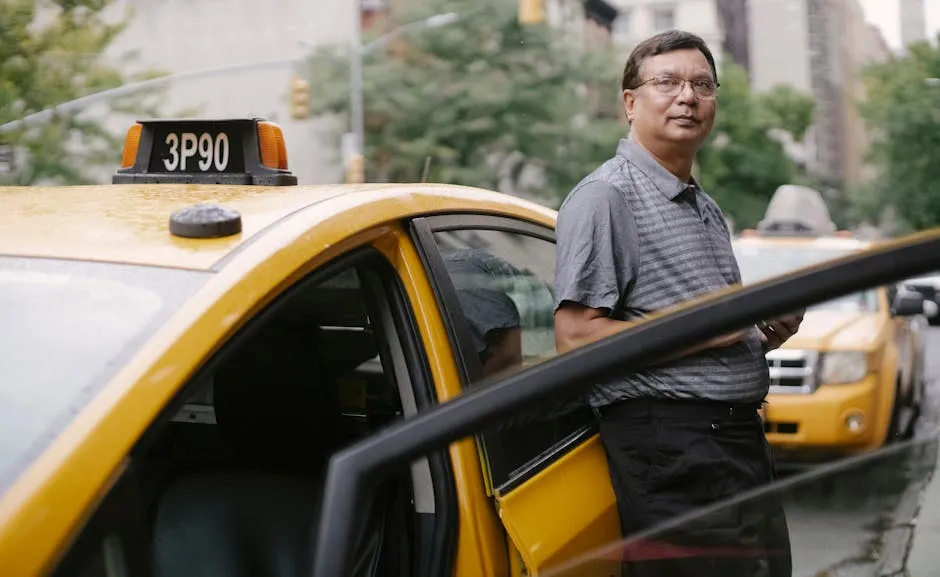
(354, 471)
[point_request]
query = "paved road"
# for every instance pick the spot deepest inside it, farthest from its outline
(838, 524)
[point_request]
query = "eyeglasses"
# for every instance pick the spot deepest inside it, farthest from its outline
(705, 89)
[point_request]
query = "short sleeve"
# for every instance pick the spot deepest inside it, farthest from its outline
(596, 247)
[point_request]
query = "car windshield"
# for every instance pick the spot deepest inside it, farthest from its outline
(759, 263)
(67, 328)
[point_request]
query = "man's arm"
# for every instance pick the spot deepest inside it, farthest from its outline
(577, 325)
(596, 256)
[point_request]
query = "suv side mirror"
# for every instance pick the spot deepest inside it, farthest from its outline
(908, 303)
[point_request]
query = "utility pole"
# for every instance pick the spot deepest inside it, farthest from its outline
(354, 142)
(355, 164)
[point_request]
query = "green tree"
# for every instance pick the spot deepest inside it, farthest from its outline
(51, 52)
(788, 109)
(486, 98)
(742, 165)
(902, 110)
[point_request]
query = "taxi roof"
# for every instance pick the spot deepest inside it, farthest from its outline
(129, 223)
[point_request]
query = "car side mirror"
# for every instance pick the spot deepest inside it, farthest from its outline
(908, 303)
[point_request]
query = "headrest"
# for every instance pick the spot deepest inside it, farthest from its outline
(273, 400)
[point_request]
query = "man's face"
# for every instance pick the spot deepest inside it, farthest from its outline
(666, 109)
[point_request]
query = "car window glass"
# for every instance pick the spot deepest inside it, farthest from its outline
(504, 283)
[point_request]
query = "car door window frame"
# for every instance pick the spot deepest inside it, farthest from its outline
(423, 230)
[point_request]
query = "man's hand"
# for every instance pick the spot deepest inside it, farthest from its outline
(775, 332)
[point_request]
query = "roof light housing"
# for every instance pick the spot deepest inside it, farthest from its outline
(241, 151)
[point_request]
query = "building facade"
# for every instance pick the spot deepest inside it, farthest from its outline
(819, 47)
(178, 36)
(913, 21)
(735, 21)
(640, 19)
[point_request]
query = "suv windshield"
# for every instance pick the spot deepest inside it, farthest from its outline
(759, 263)
(67, 327)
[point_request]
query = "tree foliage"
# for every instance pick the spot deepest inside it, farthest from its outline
(789, 109)
(51, 52)
(742, 165)
(486, 98)
(902, 110)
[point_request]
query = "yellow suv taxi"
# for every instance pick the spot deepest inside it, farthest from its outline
(852, 378)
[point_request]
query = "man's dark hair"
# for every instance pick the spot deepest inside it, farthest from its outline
(663, 43)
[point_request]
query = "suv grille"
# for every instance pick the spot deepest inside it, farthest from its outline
(792, 371)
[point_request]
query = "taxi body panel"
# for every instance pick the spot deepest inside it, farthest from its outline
(819, 417)
(578, 520)
(48, 503)
(130, 223)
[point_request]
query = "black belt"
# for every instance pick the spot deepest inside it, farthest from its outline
(669, 408)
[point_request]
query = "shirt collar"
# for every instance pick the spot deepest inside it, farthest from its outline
(667, 182)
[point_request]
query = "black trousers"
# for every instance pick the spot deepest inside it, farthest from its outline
(669, 458)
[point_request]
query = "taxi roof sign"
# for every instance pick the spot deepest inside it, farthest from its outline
(216, 151)
(796, 210)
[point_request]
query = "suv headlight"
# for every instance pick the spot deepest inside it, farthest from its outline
(841, 367)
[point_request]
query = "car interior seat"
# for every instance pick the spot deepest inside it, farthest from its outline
(278, 411)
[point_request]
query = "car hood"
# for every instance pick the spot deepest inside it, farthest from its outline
(831, 329)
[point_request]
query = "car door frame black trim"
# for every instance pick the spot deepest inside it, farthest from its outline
(535, 466)
(353, 471)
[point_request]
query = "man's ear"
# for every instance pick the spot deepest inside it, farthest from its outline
(629, 104)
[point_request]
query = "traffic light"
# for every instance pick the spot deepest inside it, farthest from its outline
(299, 98)
(531, 11)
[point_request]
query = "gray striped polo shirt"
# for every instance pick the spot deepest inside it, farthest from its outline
(633, 238)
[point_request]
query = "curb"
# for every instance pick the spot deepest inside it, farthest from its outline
(896, 541)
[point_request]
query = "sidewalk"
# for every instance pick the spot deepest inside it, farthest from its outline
(911, 546)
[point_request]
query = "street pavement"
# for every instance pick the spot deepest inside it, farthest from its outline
(882, 517)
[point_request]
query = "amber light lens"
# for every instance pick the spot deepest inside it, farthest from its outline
(271, 142)
(131, 142)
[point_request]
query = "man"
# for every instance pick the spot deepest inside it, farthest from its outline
(636, 236)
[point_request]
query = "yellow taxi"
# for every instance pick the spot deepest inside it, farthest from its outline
(852, 378)
(210, 370)
(204, 314)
